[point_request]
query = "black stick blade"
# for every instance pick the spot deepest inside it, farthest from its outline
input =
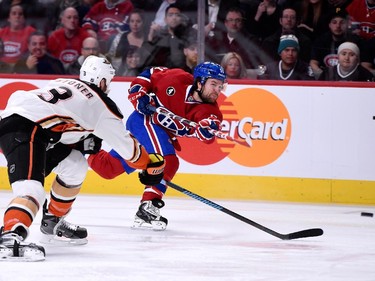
(304, 233)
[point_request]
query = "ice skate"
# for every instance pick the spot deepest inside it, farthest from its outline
(60, 232)
(12, 248)
(148, 215)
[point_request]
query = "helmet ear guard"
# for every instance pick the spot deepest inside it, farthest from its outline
(94, 69)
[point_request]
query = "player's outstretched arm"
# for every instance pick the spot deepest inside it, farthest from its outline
(105, 165)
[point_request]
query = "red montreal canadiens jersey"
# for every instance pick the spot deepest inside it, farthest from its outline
(107, 22)
(66, 50)
(365, 17)
(172, 89)
(15, 43)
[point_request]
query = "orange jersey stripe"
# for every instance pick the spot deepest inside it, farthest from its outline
(60, 124)
(31, 155)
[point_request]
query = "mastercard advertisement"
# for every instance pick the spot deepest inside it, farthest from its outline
(309, 142)
(263, 118)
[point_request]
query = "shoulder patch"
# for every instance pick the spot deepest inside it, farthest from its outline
(170, 91)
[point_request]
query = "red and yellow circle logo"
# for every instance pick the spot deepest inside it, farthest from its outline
(8, 89)
(250, 112)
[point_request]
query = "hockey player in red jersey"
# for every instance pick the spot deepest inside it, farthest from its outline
(189, 96)
(39, 132)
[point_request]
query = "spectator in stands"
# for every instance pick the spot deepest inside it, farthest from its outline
(324, 49)
(107, 18)
(289, 67)
(159, 19)
(261, 17)
(157, 8)
(314, 17)
(234, 39)
(121, 42)
(15, 35)
(37, 60)
(65, 43)
(90, 46)
(33, 11)
(368, 55)
(154, 10)
(131, 65)
(4, 67)
(234, 66)
(288, 25)
(191, 55)
(362, 14)
(348, 67)
(55, 9)
(216, 11)
(165, 46)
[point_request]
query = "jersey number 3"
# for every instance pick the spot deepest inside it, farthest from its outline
(55, 94)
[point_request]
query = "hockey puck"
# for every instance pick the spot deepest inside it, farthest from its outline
(366, 214)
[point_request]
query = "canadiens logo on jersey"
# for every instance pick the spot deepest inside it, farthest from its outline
(331, 60)
(12, 49)
(110, 26)
(170, 91)
(177, 128)
(68, 56)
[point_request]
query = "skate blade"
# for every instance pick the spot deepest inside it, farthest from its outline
(62, 241)
(7, 256)
(154, 225)
(21, 259)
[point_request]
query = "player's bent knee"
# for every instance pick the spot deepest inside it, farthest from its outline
(73, 169)
(30, 188)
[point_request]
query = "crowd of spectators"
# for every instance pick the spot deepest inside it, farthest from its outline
(251, 39)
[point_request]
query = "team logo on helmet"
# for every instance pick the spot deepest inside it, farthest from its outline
(170, 91)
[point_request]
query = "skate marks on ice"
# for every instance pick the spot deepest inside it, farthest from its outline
(203, 244)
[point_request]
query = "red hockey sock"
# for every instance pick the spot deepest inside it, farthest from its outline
(151, 192)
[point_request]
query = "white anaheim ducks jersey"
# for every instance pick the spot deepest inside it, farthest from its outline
(71, 109)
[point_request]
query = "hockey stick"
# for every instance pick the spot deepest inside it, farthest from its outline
(191, 124)
(294, 235)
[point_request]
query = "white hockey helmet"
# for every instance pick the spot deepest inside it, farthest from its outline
(94, 69)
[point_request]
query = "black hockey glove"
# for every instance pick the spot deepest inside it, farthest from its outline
(89, 145)
(153, 174)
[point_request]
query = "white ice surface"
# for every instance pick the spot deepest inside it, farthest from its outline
(202, 243)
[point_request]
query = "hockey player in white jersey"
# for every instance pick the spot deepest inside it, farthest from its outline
(39, 132)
